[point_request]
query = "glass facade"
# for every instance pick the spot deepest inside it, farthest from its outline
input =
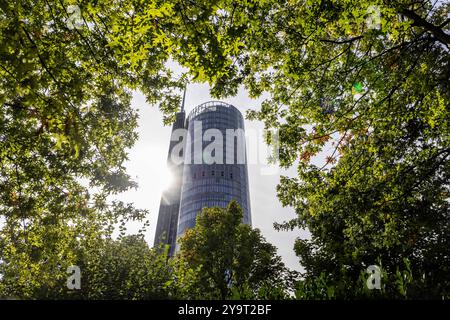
(217, 179)
(213, 171)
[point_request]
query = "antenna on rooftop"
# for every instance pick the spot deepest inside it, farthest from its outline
(184, 98)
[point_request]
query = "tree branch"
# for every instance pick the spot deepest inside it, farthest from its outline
(421, 22)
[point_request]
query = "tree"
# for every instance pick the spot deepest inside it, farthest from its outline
(128, 269)
(65, 126)
(122, 269)
(232, 257)
(66, 76)
(367, 80)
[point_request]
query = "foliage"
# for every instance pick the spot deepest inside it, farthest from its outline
(127, 269)
(122, 269)
(371, 97)
(65, 126)
(234, 260)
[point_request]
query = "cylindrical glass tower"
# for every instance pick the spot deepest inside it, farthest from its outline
(215, 168)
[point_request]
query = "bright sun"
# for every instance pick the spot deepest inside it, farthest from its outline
(166, 178)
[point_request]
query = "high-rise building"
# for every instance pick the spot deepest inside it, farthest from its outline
(166, 227)
(214, 169)
(209, 183)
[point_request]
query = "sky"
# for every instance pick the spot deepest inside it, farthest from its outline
(147, 166)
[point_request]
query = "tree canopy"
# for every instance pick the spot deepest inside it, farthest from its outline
(363, 84)
(65, 126)
(232, 258)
